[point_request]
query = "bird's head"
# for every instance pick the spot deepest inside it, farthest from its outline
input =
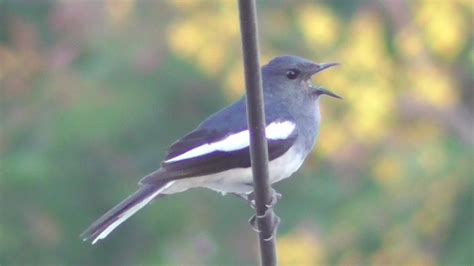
(289, 73)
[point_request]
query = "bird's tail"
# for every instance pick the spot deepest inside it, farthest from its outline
(101, 228)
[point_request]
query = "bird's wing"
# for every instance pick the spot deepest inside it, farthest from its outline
(207, 151)
(221, 143)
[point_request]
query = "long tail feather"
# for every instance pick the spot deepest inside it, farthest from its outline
(103, 226)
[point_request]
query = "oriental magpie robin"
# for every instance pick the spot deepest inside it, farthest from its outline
(216, 154)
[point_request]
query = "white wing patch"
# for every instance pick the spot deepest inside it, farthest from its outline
(237, 141)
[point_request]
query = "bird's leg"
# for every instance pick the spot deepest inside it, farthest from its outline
(248, 198)
(269, 211)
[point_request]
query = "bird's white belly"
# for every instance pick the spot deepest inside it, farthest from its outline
(239, 180)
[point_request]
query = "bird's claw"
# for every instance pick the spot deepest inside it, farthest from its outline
(254, 225)
(269, 211)
(276, 223)
(250, 199)
(252, 204)
(276, 196)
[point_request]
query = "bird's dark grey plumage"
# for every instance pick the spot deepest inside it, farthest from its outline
(216, 154)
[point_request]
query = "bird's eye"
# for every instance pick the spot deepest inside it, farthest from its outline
(292, 73)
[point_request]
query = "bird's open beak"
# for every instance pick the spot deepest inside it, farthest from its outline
(321, 90)
(320, 67)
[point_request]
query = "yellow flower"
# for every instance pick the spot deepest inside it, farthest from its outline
(320, 26)
(211, 58)
(185, 38)
(433, 85)
(365, 50)
(373, 106)
(204, 37)
(300, 248)
(409, 43)
(444, 27)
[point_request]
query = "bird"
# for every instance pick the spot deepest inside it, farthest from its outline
(215, 155)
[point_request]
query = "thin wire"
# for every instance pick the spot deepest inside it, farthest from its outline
(256, 123)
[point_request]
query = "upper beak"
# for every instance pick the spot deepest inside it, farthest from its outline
(320, 67)
(322, 90)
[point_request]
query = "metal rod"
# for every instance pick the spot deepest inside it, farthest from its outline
(256, 124)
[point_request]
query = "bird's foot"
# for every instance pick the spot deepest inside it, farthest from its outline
(269, 211)
(250, 199)
(276, 196)
(276, 222)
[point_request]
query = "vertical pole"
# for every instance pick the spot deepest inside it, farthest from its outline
(256, 124)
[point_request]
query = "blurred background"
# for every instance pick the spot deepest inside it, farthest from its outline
(92, 93)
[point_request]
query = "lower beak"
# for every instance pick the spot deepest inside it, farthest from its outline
(321, 90)
(320, 67)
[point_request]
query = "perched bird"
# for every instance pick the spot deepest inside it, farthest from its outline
(216, 154)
